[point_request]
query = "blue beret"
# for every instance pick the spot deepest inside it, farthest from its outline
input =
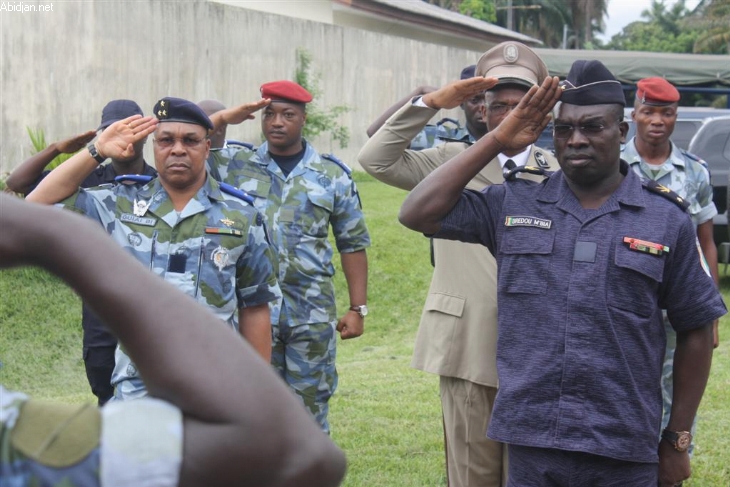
(170, 109)
(468, 72)
(591, 83)
(117, 110)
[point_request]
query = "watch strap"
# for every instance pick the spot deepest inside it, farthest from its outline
(95, 154)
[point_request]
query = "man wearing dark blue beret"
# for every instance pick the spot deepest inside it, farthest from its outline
(203, 237)
(587, 260)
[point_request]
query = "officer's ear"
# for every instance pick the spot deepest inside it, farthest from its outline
(623, 127)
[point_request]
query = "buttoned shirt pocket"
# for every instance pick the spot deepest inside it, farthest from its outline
(635, 278)
(525, 256)
(308, 220)
(440, 315)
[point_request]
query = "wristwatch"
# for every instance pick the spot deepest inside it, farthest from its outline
(362, 310)
(95, 154)
(679, 439)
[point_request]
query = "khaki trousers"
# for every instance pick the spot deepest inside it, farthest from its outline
(473, 460)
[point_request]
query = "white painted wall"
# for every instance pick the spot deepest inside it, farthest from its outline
(59, 68)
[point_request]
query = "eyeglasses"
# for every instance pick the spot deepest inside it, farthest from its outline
(189, 142)
(564, 131)
(500, 108)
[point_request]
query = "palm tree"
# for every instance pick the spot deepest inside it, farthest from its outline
(713, 17)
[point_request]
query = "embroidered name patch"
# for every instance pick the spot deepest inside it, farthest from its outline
(646, 246)
(224, 231)
(128, 217)
(527, 221)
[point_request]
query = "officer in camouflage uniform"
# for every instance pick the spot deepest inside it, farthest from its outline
(652, 155)
(199, 235)
(302, 195)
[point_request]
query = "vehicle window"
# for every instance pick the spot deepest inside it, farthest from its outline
(684, 130)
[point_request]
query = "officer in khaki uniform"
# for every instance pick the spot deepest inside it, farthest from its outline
(458, 332)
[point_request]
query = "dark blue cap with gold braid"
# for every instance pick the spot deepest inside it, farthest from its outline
(591, 83)
(170, 109)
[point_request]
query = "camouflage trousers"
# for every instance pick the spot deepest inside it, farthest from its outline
(668, 377)
(304, 356)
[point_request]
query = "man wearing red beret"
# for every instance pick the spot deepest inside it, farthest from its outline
(302, 195)
(652, 155)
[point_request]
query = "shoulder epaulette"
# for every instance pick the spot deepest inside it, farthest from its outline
(463, 141)
(693, 157)
(659, 189)
(334, 159)
(133, 178)
(512, 174)
(238, 143)
(238, 193)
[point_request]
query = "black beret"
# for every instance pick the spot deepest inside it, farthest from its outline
(117, 110)
(468, 72)
(591, 83)
(170, 109)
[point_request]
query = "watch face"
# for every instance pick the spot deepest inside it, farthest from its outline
(363, 311)
(683, 441)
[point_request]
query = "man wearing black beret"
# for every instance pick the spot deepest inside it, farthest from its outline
(587, 259)
(203, 237)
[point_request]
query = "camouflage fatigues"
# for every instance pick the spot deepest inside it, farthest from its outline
(299, 210)
(434, 135)
(215, 250)
(687, 176)
(102, 458)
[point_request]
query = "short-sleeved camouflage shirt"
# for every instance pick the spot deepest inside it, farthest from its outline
(215, 250)
(299, 210)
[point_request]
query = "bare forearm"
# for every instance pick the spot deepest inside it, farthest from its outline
(355, 268)
(255, 327)
(692, 359)
(433, 198)
(65, 180)
(21, 180)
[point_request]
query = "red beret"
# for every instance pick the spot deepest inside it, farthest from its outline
(285, 90)
(656, 91)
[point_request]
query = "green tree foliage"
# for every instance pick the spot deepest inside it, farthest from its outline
(38, 142)
(479, 9)
(662, 30)
(319, 120)
(712, 18)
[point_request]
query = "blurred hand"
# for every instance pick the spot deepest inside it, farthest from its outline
(75, 143)
(455, 93)
(674, 466)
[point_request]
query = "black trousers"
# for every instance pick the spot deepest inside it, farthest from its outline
(99, 363)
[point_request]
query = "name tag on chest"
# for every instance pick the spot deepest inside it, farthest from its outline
(139, 220)
(527, 221)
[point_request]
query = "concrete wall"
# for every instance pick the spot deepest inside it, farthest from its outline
(59, 68)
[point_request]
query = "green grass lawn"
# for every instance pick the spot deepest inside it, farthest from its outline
(385, 415)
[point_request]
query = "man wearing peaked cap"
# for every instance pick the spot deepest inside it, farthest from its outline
(98, 343)
(464, 276)
(587, 260)
(654, 156)
(187, 228)
(302, 195)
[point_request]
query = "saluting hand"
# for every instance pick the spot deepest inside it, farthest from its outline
(75, 143)
(117, 140)
(457, 92)
(525, 123)
(236, 115)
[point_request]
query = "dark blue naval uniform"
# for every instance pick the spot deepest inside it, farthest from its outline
(581, 338)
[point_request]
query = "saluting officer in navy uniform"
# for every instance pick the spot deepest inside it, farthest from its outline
(587, 259)
(457, 335)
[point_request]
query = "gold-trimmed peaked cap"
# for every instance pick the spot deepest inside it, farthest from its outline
(591, 83)
(171, 109)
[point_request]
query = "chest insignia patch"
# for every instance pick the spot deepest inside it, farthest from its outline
(139, 220)
(140, 207)
(220, 258)
(134, 239)
(527, 221)
(227, 222)
(646, 246)
(324, 181)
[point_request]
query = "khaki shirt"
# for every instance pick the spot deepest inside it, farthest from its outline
(457, 336)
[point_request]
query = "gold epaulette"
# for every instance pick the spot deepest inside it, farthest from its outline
(659, 189)
(512, 174)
